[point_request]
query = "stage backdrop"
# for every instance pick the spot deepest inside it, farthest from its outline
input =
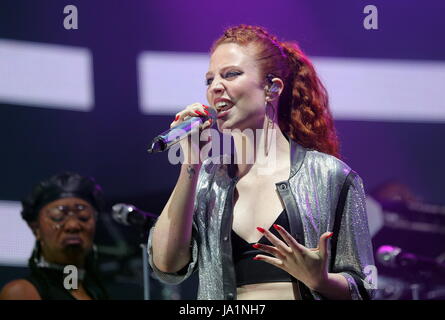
(90, 99)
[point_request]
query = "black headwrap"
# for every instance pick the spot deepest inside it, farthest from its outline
(60, 186)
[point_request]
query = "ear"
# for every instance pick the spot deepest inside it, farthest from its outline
(35, 229)
(274, 88)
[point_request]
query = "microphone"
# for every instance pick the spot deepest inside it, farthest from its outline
(395, 257)
(173, 135)
(129, 215)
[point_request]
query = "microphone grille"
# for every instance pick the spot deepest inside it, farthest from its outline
(120, 212)
(213, 113)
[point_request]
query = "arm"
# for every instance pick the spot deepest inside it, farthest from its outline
(335, 287)
(170, 239)
(171, 236)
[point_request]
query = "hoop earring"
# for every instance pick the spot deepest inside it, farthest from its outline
(36, 252)
(270, 123)
(95, 254)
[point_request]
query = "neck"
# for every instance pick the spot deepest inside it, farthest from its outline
(44, 263)
(263, 150)
(65, 258)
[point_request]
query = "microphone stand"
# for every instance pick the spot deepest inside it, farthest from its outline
(146, 275)
(143, 246)
(169, 291)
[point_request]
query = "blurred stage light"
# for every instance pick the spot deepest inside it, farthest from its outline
(46, 75)
(16, 238)
(359, 89)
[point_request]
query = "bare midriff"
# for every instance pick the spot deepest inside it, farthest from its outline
(269, 291)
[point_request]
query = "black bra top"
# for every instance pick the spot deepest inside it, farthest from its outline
(249, 271)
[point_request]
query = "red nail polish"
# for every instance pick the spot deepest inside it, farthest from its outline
(277, 227)
(177, 117)
(260, 229)
(205, 106)
(256, 245)
(330, 235)
(208, 113)
(256, 258)
(199, 113)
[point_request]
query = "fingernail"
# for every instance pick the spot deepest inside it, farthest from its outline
(208, 113)
(205, 106)
(260, 229)
(200, 113)
(330, 235)
(277, 227)
(256, 258)
(256, 245)
(177, 117)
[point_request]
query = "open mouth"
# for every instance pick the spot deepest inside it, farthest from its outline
(223, 106)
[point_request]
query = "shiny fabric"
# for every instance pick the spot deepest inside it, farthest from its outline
(310, 196)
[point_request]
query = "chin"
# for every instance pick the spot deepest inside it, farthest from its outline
(74, 250)
(230, 124)
(238, 126)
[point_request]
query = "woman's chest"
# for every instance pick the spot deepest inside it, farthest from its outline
(255, 205)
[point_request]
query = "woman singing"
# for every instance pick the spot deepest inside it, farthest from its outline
(265, 234)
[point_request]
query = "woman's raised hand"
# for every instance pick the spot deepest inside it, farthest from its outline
(189, 147)
(310, 266)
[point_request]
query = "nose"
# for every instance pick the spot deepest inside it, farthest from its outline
(72, 224)
(217, 87)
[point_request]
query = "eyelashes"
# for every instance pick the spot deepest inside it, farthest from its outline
(227, 75)
(233, 74)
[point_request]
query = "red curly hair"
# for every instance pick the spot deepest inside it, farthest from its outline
(303, 111)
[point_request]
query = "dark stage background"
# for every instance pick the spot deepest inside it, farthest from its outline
(109, 142)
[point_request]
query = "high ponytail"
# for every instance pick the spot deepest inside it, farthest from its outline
(304, 110)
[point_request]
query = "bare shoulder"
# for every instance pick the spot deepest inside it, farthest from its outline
(20, 289)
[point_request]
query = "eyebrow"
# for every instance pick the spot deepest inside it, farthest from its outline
(222, 69)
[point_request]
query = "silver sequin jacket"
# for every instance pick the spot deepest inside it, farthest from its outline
(310, 196)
